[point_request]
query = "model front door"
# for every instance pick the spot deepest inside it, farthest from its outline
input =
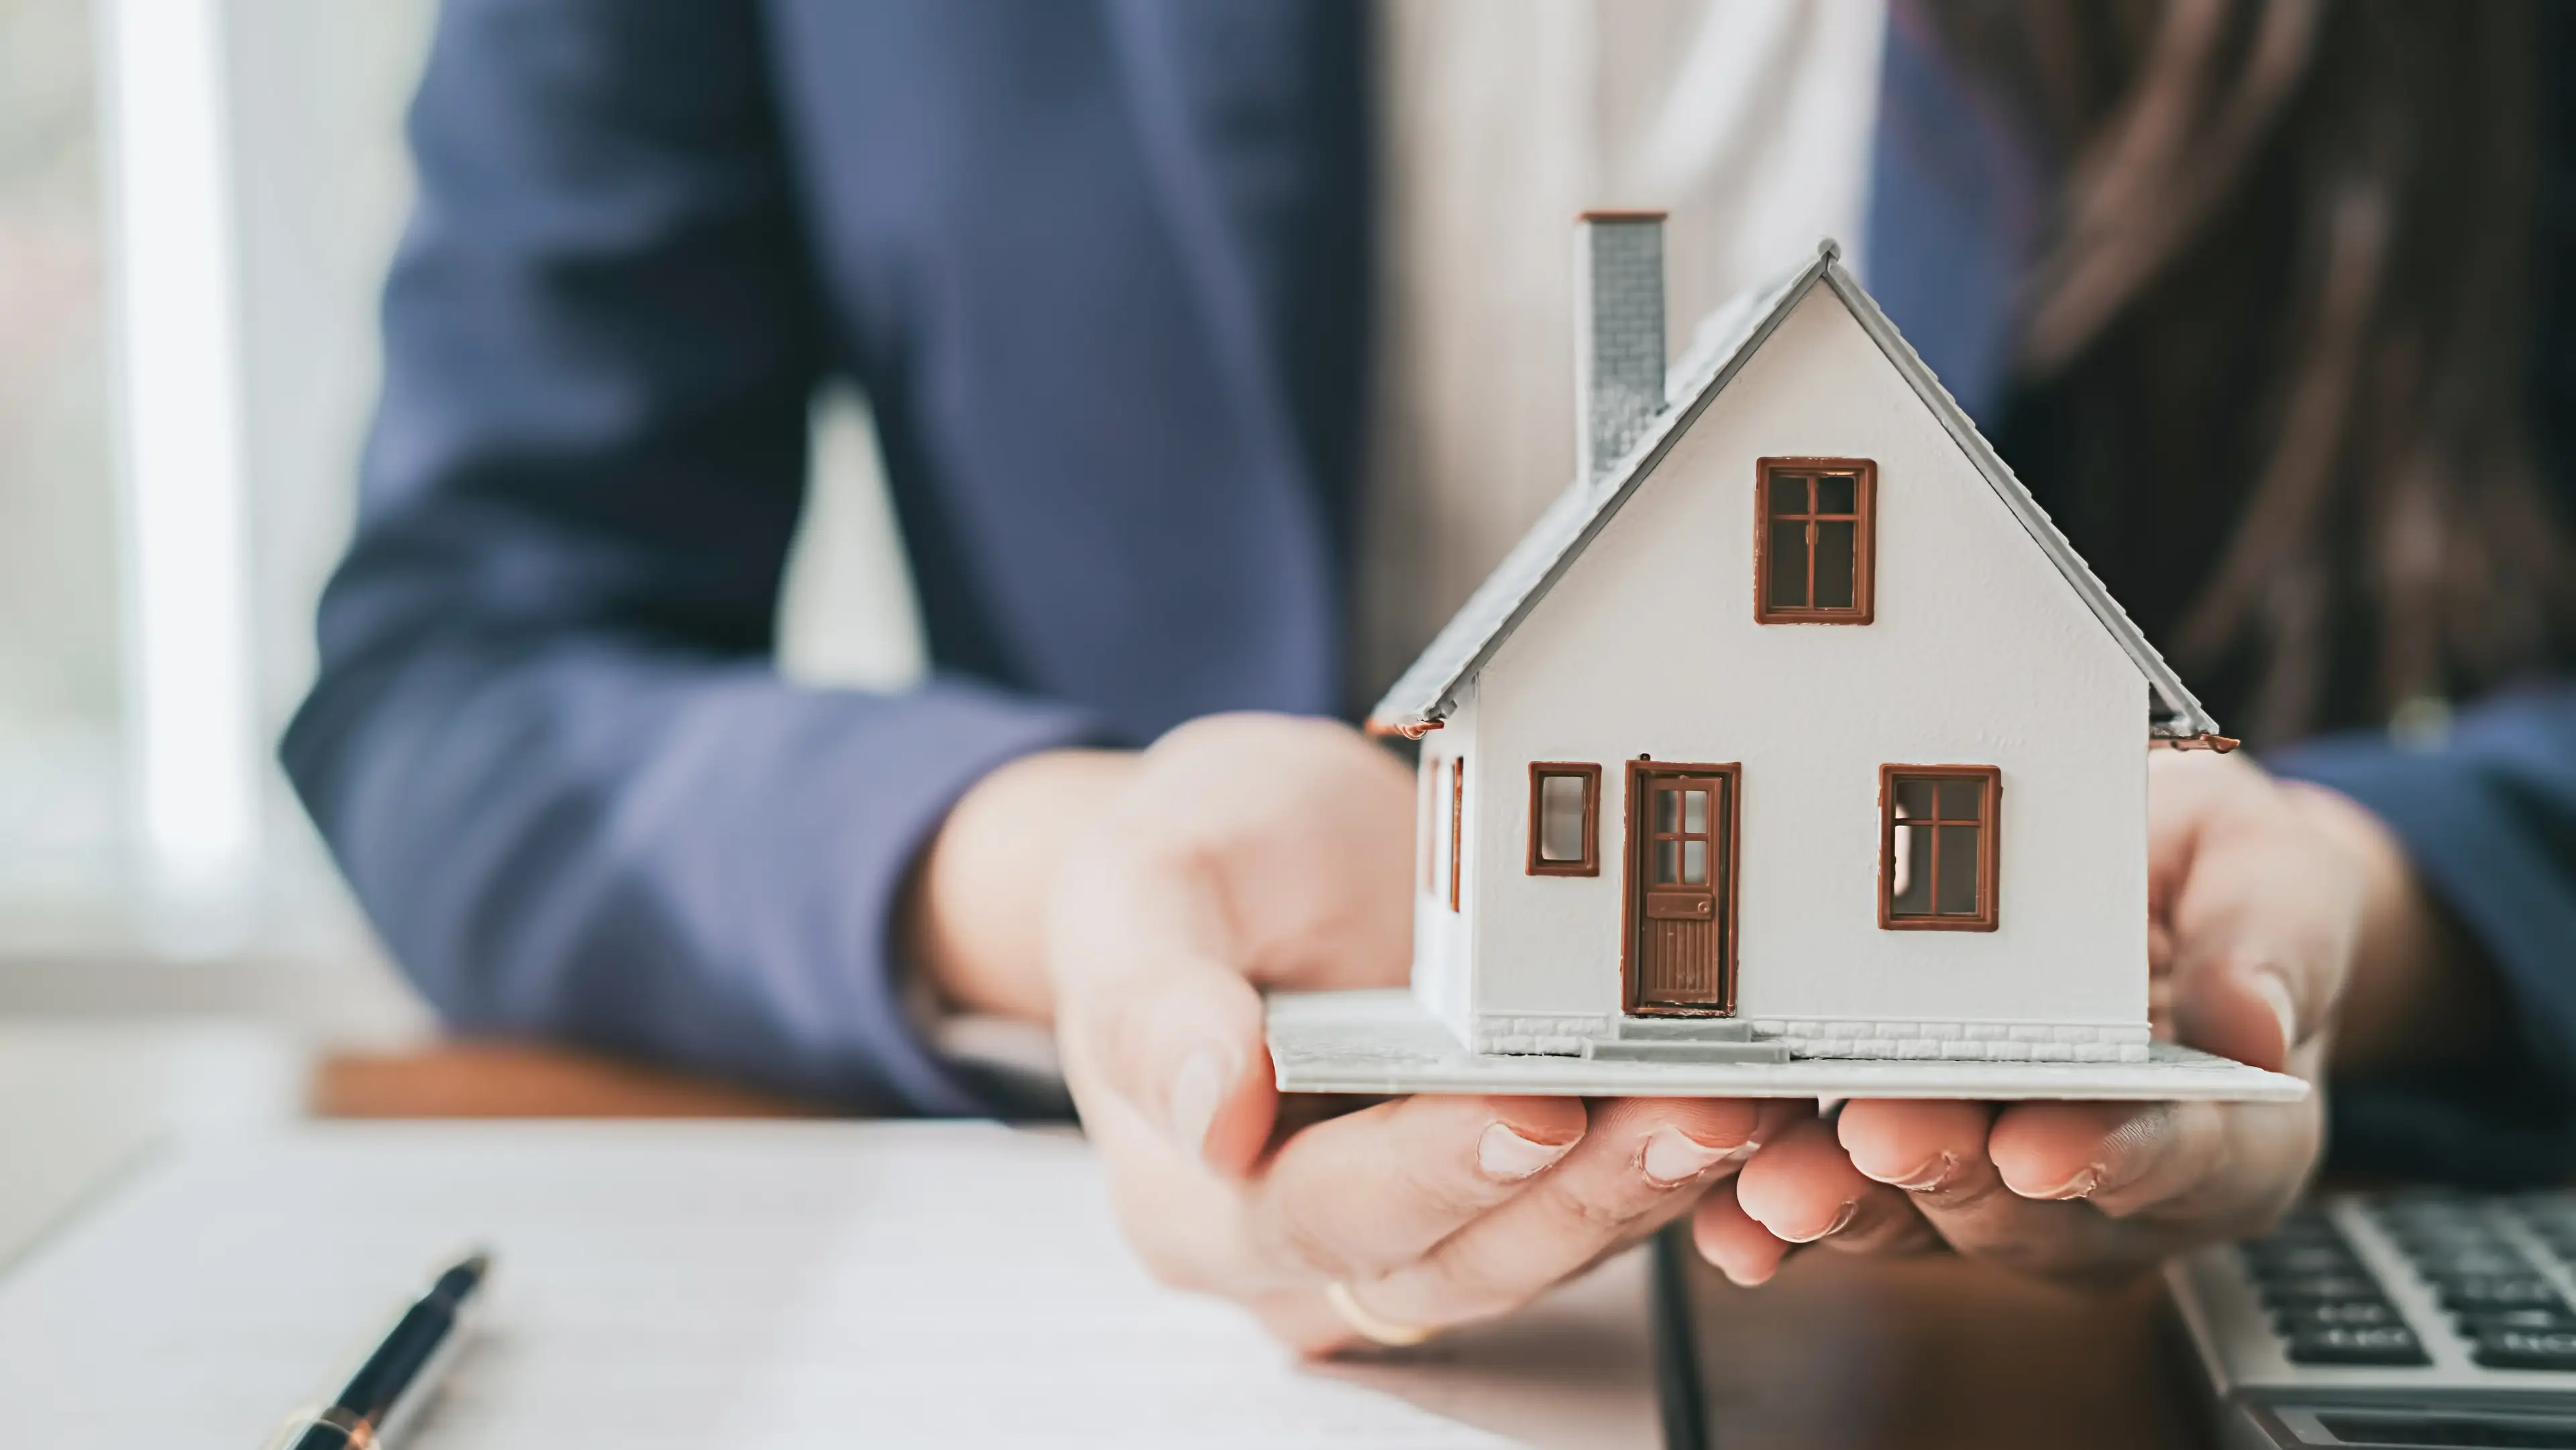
(1681, 872)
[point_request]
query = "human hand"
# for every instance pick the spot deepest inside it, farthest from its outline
(2258, 891)
(1247, 852)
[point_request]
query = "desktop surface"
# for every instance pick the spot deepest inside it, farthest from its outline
(1930, 1352)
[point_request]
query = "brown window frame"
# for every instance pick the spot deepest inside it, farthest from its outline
(1989, 832)
(1864, 518)
(1457, 823)
(1590, 775)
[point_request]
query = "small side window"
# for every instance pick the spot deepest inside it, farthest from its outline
(1937, 838)
(1438, 827)
(1426, 829)
(1564, 819)
(1457, 821)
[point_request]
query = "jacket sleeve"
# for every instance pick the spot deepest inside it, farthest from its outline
(547, 744)
(2488, 818)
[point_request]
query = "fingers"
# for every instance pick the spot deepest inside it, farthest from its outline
(1928, 1148)
(1743, 1250)
(2257, 913)
(2083, 1191)
(2205, 1169)
(1363, 1194)
(1179, 1049)
(1802, 1188)
(1641, 1163)
(1936, 1152)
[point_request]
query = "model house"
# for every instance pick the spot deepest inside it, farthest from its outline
(1793, 730)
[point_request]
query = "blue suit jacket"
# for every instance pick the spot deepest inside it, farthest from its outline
(1100, 267)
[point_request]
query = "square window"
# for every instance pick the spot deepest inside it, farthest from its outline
(1815, 541)
(1564, 820)
(1937, 847)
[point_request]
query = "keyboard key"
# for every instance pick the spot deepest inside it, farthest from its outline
(2316, 1289)
(2471, 1264)
(2527, 1349)
(2279, 1255)
(2445, 1222)
(2428, 1243)
(2314, 1263)
(2316, 1230)
(2540, 1208)
(2350, 1313)
(2509, 1291)
(2536, 1317)
(2357, 1344)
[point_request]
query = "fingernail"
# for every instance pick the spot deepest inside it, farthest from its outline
(1673, 1156)
(1505, 1155)
(2276, 995)
(2079, 1186)
(1197, 1089)
(1747, 1281)
(1842, 1220)
(1934, 1172)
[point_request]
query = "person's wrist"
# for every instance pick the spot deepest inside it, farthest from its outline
(2416, 991)
(974, 921)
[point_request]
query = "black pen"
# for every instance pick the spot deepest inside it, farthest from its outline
(381, 1399)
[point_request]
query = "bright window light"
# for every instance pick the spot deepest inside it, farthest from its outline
(190, 704)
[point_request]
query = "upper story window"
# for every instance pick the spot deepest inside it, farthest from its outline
(1564, 824)
(1937, 847)
(1814, 542)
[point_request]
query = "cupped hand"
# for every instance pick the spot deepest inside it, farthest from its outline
(1247, 852)
(2257, 895)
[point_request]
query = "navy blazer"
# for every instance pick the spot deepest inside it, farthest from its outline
(1100, 268)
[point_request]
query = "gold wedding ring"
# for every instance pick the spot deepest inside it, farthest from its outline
(1369, 1326)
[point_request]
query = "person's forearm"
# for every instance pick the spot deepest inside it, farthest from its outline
(2420, 993)
(975, 912)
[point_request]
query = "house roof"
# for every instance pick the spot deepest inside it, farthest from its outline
(1725, 341)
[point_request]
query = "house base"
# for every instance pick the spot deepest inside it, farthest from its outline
(1386, 1042)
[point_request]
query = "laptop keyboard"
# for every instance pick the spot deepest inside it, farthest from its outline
(2494, 1265)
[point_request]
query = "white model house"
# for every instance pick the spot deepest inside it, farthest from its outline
(1793, 730)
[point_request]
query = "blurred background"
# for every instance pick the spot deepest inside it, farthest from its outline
(197, 201)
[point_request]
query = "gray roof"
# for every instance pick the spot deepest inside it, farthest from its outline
(1725, 341)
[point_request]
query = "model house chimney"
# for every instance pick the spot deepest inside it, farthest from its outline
(1618, 332)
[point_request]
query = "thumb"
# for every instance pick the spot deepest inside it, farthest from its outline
(1178, 1042)
(2243, 1010)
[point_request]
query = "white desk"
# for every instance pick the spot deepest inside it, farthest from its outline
(81, 1101)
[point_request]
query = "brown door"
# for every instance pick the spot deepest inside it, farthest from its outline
(1681, 887)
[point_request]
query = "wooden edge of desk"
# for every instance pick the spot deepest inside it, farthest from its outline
(492, 1079)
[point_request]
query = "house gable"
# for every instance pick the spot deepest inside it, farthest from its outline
(1648, 644)
(1728, 341)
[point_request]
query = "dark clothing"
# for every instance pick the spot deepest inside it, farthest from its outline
(1100, 270)
(1095, 267)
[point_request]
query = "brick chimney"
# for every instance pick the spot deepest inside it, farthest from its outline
(1618, 332)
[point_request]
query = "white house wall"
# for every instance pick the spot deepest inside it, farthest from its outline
(1980, 653)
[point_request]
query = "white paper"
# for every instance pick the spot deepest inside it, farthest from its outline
(770, 1286)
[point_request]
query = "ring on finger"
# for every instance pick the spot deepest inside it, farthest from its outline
(1394, 1334)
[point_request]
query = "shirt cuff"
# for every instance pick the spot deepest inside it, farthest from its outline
(2465, 813)
(980, 731)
